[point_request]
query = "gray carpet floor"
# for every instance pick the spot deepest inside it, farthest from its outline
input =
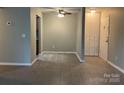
(62, 69)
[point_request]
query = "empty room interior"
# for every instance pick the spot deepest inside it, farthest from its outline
(61, 46)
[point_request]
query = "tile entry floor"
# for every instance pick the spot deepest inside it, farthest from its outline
(61, 69)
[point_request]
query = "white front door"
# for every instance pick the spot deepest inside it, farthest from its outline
(92, 27)
(104, 38)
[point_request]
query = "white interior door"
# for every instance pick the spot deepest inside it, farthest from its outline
(92, 27)
(104, 38)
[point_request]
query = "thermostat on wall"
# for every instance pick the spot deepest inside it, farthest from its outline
(10, 22)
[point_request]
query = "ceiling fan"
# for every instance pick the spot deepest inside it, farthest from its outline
(62, 13)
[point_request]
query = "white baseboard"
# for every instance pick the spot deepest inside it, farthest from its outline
(15, 64)
(115, 66)
(64, 52)
(79, 58)
(34, 61)
(41, 53)
(18, 64)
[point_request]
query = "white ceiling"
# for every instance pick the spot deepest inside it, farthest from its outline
(54, 9)
(100, 9)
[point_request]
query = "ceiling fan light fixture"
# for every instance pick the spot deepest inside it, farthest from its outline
(93, 11)
(62, 12)
(60, 15)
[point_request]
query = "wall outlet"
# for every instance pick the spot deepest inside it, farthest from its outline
(116, 58)
(53, 46)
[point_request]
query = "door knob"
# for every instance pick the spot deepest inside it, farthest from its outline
(107, 41)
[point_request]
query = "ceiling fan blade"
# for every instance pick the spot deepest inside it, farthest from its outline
(67, 13)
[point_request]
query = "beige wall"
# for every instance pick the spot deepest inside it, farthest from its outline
(59, 33)
(15, 48)
(18, 40)
(116, 41)
(33, 13)
(15, 38)
(80, 35)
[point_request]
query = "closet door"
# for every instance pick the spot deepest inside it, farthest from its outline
(92, 27)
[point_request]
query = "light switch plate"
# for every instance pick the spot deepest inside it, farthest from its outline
(23, 35)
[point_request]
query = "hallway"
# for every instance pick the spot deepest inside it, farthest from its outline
(60, 69)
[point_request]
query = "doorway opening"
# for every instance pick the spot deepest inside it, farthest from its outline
(38, 35)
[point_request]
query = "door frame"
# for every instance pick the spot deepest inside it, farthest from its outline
(38, 35)
(108, 40)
